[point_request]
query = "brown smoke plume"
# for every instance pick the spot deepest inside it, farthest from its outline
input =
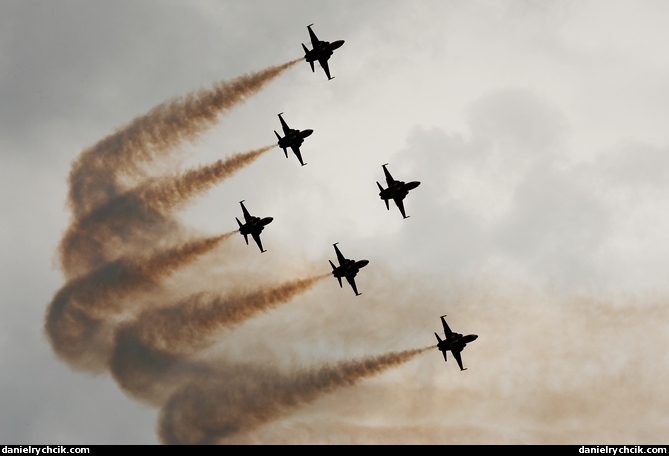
(146, 372)
(138, 217)
(190, 324)
(150, 353)
(94, 177)
(210, 411)
(78, 310)
(170, 193)
(124, 226)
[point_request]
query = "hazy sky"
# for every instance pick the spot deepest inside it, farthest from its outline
(538, 130)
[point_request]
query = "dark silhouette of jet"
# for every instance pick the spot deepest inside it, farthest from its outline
(454, 342)
(397, 190)
(253, 226)
(292, 138)
(347, 268)
(321, 52)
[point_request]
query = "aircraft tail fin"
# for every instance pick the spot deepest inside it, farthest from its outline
(243, 234)
(277, 136)
(384, 199)
(443, 352)
(306, 54)
(338, 278)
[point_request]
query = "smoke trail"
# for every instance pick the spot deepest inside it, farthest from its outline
(213, 410)
(94, 177)
(78, 310)
(124, 226)
(150, 353)
(137, 217)
(191, 323)
(169, 193)
(146, 372)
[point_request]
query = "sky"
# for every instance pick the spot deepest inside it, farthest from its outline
(537, 130)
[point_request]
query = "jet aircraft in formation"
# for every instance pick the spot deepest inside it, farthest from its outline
(454, 342)
(347, 268)
(321, 52)
(292, 138)
(253, 225)
(397, 190)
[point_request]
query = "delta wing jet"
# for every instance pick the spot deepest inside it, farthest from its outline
(253, 225)
(347, 268)
(396, 191)
(454, 342)
(292, 138)
(321, 52)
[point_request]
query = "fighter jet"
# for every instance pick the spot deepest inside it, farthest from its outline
(454, 342)
(347, 268)
(253, 226)
(321, 52)
(397, 190)
(293, 139)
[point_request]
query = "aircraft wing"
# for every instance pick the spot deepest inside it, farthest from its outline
(400, 205)
(340, 257)
(256, 237)
(447, 330)
(296, 151)
(284, 125)
(247, 216)
(351, 280)
(456, 355)
(389, 179)
(324, 64)
(312, 35)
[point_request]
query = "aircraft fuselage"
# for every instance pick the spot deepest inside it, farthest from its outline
(458, 342)
(257, 225)
(324, 50)
(350, 268)
(294, 138)
(399, 190)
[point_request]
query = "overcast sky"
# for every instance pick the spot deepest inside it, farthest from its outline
(538, 131)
